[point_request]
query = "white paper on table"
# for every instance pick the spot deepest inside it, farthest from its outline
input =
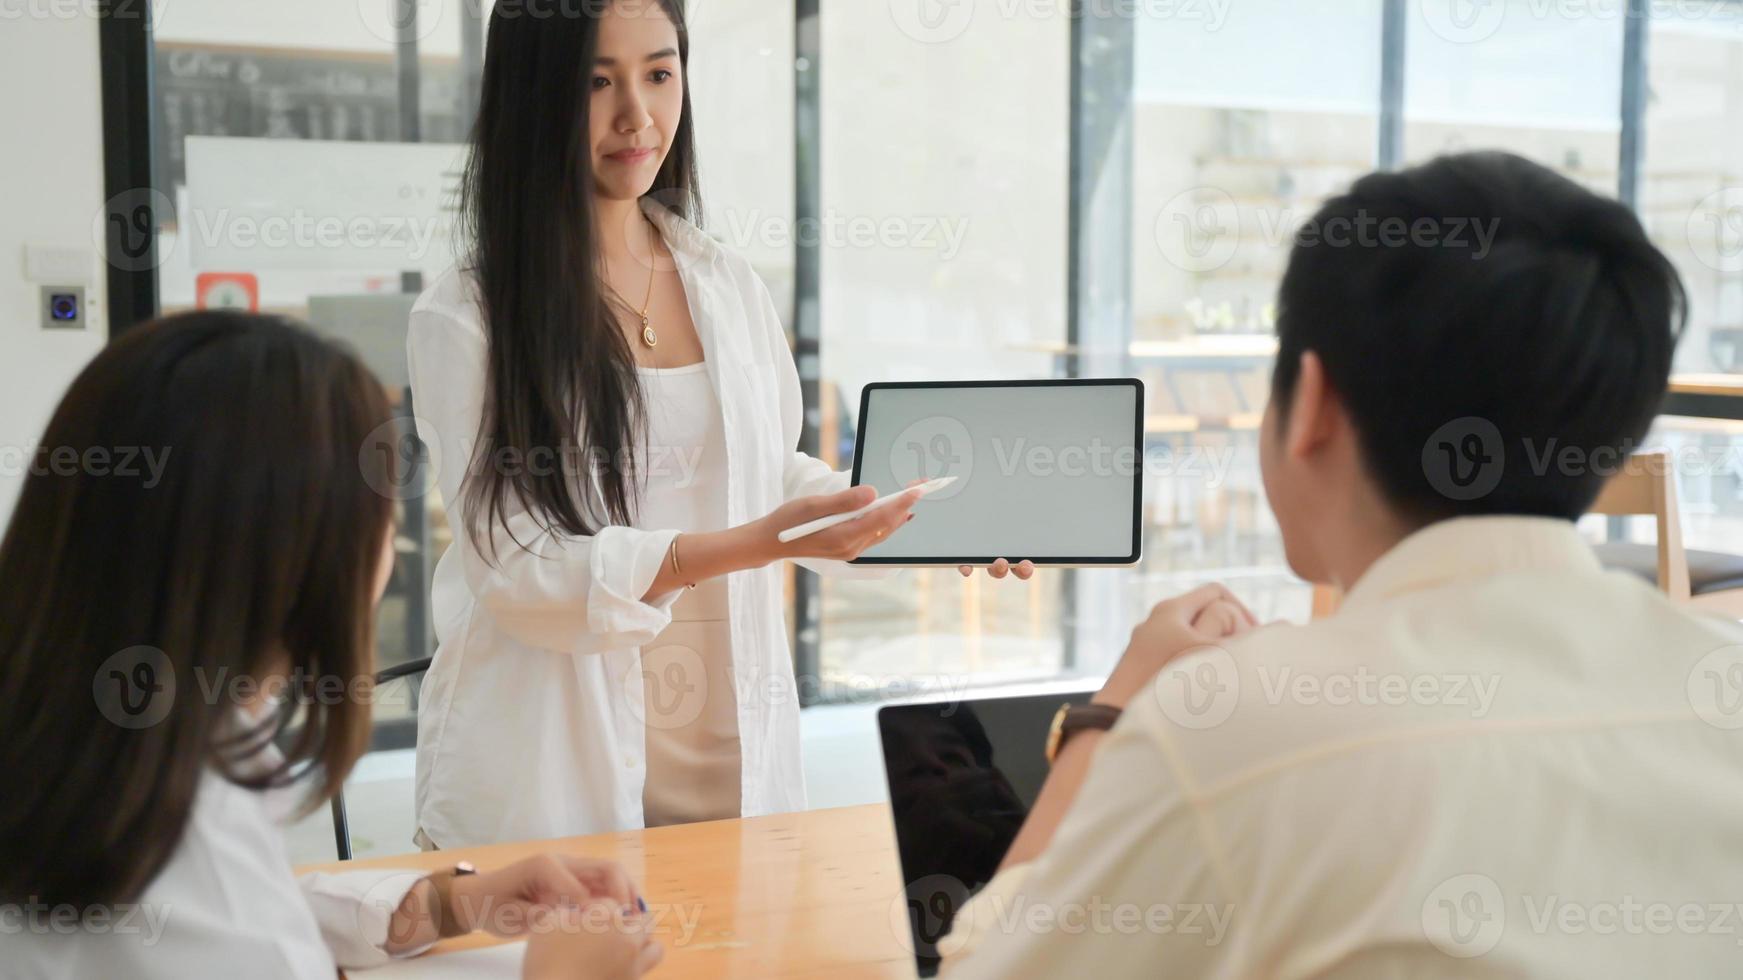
(503, 960)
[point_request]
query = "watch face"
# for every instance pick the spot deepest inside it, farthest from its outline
(1055, 730)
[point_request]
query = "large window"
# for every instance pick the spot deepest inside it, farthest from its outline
(741, 82)
(1542, 80)
(1692, 185)
(307, 162)
(904, 175)
(1243, 125)
(939, 189)
(942, 238)
(306, 157)
(1691, 198)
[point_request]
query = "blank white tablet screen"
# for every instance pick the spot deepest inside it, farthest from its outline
(1048, 472)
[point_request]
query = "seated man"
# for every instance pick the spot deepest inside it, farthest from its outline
(1497, 758)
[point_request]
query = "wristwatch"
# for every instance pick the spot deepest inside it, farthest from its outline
(1073, 718)
(443, 882)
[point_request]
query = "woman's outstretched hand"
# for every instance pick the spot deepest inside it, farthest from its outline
(695, 556)
(1003, 567)
(843, 542)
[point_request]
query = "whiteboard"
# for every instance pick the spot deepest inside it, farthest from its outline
(320, 204)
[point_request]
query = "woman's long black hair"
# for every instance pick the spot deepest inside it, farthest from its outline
(558, 364)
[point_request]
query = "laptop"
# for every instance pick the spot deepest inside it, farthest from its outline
(962, 776)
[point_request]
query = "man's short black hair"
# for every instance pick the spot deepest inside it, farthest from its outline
(1498, 334)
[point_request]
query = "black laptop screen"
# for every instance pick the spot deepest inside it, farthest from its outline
(962, 776)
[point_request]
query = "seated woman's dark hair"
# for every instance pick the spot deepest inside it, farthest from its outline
(200, 515)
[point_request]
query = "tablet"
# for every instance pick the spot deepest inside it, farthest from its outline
(1047, 471)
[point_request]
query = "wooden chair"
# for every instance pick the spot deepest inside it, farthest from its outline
(1646, 486)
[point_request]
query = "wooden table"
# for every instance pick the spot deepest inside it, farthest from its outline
(806, 894)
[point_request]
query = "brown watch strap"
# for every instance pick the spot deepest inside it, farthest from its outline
(1078, 719)
(443, 881)
(1084, 718)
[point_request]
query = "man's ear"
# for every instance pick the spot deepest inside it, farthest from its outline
(1314, 409)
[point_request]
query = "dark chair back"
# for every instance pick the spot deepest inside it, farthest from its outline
(341, 823)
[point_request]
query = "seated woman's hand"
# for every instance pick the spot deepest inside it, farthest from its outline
(598, 941)
(503, 902)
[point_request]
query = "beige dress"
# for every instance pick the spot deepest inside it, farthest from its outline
(691, 706)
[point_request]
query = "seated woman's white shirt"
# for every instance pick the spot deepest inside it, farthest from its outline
(226, 905)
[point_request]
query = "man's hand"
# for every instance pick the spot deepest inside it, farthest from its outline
(1202, 617)
(1199, 618)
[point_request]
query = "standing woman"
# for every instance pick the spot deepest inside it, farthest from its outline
(615, 411)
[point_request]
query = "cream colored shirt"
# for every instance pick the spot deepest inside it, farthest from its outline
(1497, 759)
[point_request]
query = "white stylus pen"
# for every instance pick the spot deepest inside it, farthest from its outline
(824, 523)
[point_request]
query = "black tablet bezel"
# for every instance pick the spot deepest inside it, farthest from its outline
(1054, 560)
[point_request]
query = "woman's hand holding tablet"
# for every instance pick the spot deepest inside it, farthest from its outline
(1003, 567)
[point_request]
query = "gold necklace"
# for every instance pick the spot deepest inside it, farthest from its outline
(649, 337)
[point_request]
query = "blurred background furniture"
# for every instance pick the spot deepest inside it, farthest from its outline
(1647, 486)
(374, 326)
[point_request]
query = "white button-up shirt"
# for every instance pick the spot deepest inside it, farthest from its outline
(225, 905)
(532, 717)
(1496, 759)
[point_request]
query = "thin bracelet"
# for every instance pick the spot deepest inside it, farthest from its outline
(673, 550)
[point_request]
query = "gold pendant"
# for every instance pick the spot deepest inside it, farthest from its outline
(648, 336)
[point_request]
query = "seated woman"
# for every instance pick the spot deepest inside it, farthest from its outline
(187, 590)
